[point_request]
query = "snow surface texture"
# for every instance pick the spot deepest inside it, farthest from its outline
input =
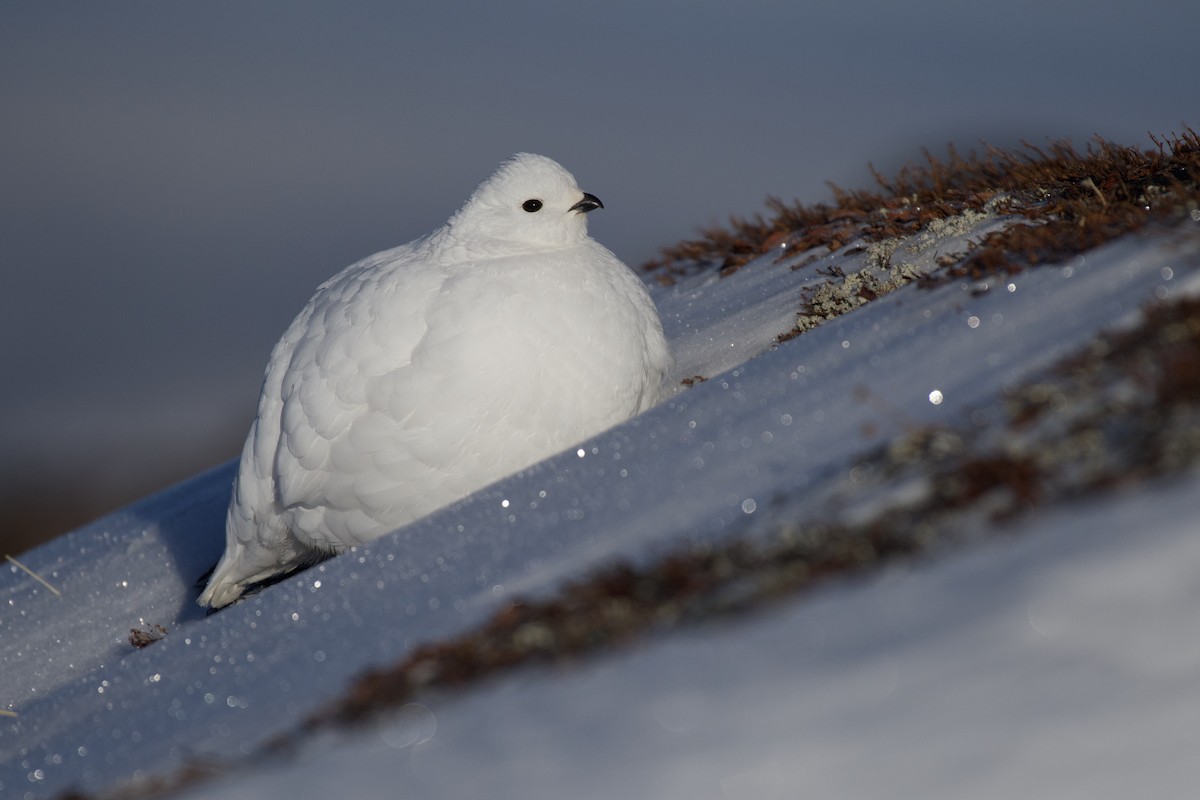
(1063, 664)
(1020, 661)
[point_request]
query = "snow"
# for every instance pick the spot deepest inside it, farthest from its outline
(1064, 663)
(1011, 666)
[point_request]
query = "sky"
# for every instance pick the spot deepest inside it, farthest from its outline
(176, 179)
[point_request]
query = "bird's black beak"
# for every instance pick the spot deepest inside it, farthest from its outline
(589, 203)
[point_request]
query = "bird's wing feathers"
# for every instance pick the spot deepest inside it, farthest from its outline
(333, 421)
(445, 390)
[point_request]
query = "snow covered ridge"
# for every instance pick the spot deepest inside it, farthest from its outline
(1078, 202)
(963, 403)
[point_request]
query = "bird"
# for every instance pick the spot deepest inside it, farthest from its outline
(423, 373)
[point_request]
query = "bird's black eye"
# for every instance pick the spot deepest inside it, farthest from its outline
(532, 205)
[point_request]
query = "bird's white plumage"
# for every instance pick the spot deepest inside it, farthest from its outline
(425, 372)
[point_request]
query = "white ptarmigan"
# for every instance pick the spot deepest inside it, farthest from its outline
(425, 372)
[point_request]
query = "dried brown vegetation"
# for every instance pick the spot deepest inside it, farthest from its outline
(1082, 200)
(618, 604)
(146, 635)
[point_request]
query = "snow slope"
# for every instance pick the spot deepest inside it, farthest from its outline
(766, 438)
(1063, 664)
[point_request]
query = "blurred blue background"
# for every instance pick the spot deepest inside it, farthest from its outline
(176, 179)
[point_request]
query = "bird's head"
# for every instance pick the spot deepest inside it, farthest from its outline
(530, 200)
